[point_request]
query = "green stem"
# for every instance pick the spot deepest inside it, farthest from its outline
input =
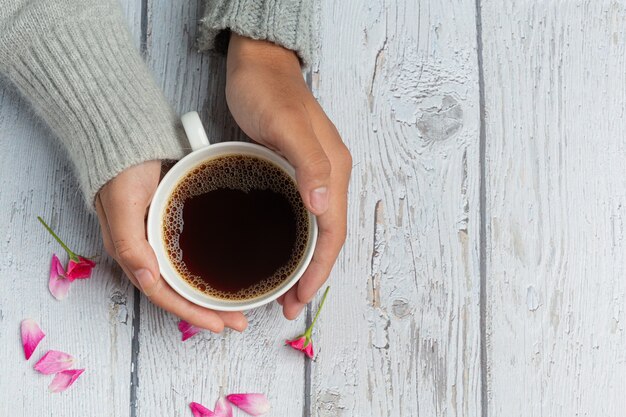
(71, 254)
(319, 309)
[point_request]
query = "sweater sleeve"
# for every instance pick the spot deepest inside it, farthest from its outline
(288, 23)
(74, 61)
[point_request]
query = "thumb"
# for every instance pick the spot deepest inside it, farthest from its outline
(295, 138)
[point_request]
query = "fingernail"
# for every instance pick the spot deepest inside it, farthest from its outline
(145, 279)
(319, 199)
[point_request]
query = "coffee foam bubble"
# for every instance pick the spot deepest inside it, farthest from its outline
(234, 172)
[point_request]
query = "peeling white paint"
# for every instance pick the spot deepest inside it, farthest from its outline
(554, 95)
(532, 298)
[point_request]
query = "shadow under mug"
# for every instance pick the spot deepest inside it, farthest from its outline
(203, 151)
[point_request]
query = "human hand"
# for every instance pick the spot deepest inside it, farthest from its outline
(272, 104)
(122, 206)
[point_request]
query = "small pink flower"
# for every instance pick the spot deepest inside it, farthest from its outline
(303, 342)
(54, 361)
(199, 410)
(64, 379)
(308, 350)
(253, 404)
(297, 344)
(187, 330)
(79, 267)
(31, 336)
(59, 284)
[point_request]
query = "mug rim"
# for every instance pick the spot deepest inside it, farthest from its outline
(155, 229)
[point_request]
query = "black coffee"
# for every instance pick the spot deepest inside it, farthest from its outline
(235, 227)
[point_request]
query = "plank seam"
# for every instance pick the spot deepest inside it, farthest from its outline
(134, 350)
(484, 380)
(306, 406)
(144, 27)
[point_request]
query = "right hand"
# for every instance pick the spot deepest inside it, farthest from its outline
(122, 206)
(270, 101)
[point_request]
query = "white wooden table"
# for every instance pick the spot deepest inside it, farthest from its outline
(484, 271)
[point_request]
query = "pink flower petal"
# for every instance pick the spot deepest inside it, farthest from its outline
(58, 285)
(31, 336)
(303, 345)
(199, 410)
(55, 266)
(64, 379)
(223, 408)
(297, 344)
(308, 350)
(53, 362)
(187, 330)
(81, 269)
(253, 404)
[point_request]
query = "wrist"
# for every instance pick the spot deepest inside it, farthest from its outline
(246, 52)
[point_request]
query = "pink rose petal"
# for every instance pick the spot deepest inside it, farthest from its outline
(187, 330)
(54, 361)
(31, 336)
(64, 379)
(308, 350)
(297, 344)
(55, 266)
(58, 285)
(199, 410)
(223, 408)
(253, 404)
(81, 269)
(302, 345)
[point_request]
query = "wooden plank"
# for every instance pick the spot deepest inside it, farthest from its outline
(172, 373)
(556, 204)
(190, 80)
(94, 322)
(400, 333)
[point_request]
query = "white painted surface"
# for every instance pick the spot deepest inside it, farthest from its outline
(400, 334)
(556, 202)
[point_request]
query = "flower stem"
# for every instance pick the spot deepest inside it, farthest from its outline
(319, 309)
(71, 254)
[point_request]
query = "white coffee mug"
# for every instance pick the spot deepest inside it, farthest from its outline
(203, 151)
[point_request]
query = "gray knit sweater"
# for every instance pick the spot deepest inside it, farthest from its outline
(75, 63)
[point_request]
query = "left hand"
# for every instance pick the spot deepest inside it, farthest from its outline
(272, 104)
(122, 206)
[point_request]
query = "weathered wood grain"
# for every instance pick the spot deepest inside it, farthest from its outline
(556, 201)
(172, 373)
(400, 333)
(94, 322)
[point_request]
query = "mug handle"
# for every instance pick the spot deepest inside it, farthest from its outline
(195, 131)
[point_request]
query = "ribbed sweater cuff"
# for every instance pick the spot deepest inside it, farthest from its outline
(90, 85)
(288, 23)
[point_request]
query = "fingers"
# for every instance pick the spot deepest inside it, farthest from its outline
(292, 307)
(280, 299)
(332, 223)
(290, 131)
(170, 300)
(329, 242)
